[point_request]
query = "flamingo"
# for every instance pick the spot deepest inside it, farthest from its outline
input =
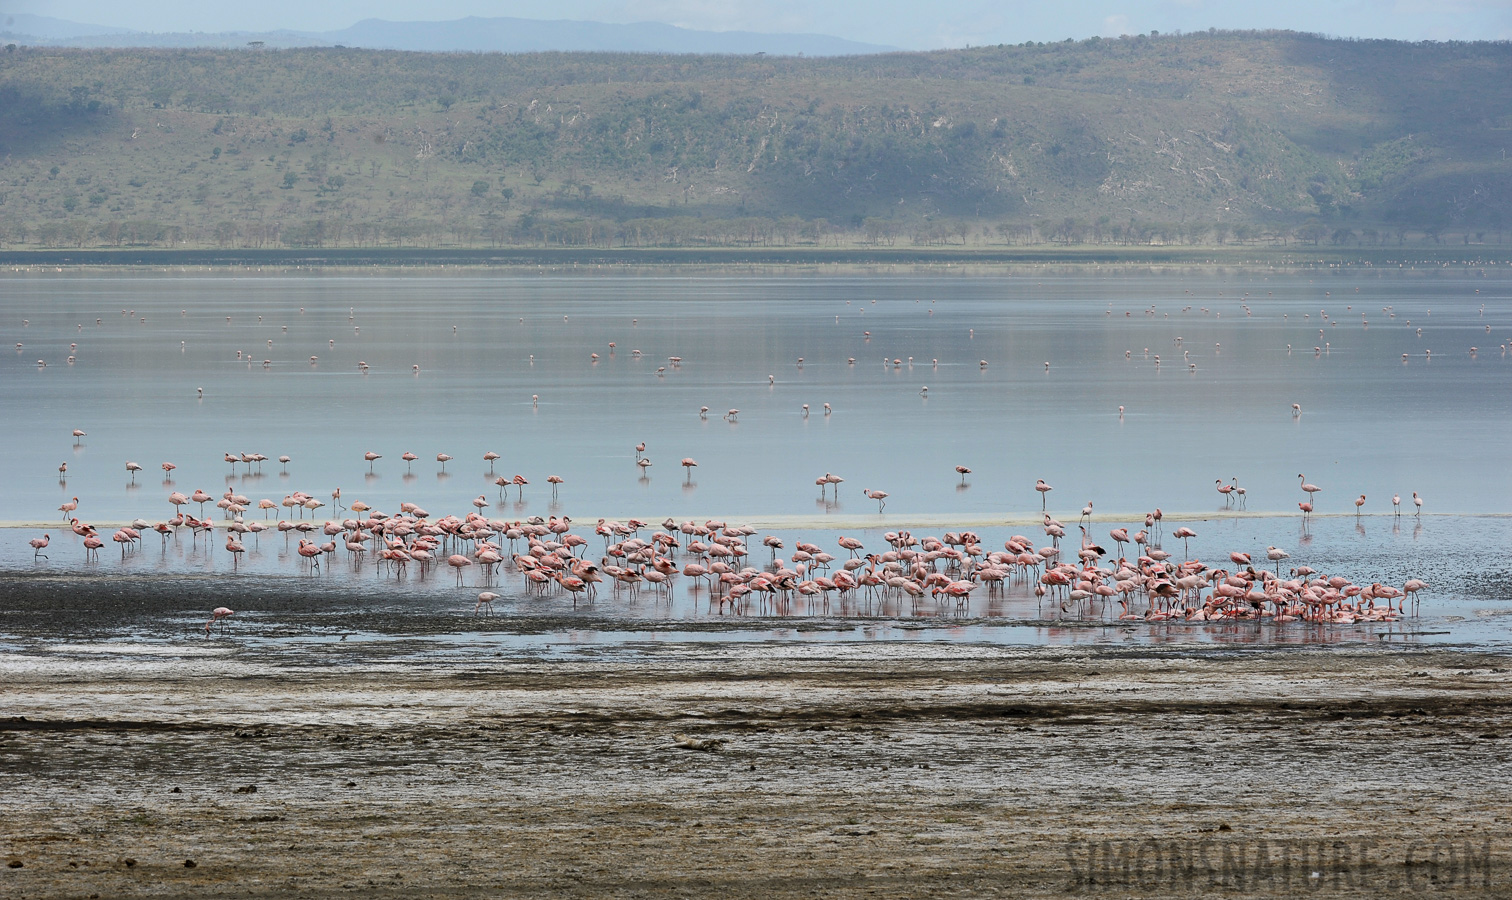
(1411, 588)
(370, 456)
(963, 472)
(408, 458)
(68, 507)
(485, 599)
(1416, 501)
(554, 480)
(1309, 488)
(459, 562)
(38, 545)
(1359, 502)
(1275, 555)
(489, 458)
(219, 614)
(1227, 491)
(1396, 504)
(1184, 533)
(1039, 485)
(442, 458)
(688, 464)
(879, 496)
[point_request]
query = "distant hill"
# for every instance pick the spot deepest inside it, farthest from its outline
(472, 34)
(1217, 136)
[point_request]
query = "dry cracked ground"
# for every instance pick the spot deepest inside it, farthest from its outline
(835, 771)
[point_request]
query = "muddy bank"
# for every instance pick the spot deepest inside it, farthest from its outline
(906, 771)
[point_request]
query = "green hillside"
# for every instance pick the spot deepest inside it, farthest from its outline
(1167, 139)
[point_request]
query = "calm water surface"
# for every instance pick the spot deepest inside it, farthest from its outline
(506, 365)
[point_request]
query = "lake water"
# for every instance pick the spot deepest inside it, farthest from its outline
(506, 365)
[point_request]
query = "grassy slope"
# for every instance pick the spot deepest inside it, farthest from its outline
(1272, 129)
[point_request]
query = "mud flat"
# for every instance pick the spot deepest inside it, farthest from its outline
(917, 771)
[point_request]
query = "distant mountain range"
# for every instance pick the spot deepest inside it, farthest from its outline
(472, 34)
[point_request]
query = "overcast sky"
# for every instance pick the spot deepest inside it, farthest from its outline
(912, 24)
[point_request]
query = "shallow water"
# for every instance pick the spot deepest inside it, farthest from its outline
(157, 598)
(1369, 424)
(487, 343)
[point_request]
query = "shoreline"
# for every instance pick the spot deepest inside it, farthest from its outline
(961, 771)
(1477, 255)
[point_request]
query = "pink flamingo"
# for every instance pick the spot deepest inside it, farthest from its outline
(1227, 491)
(370, 456)
(963, 472)
(69, 507)
(459, 562)
(133, 468)
(688, 464)
(1039, 485)
(219, 614)
(1359, 502)
(1309, 488)
(879, 496)
(38, 545)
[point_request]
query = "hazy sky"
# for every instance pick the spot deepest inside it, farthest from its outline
(913, 24)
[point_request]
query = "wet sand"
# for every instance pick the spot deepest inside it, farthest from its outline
(923, 770)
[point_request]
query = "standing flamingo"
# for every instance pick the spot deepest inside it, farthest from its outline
(370, 456)
(1309, 488)
(1416, 501)
(1396, 504)
(879, 496)
(1184, 533)
(1039, 485)
(1359, 502)
(73, 504)
(963, 472)
(220, 614)
(38, 545)
(688, 464)
(1275, 555)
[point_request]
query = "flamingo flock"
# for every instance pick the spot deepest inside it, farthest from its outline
(714, 558)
